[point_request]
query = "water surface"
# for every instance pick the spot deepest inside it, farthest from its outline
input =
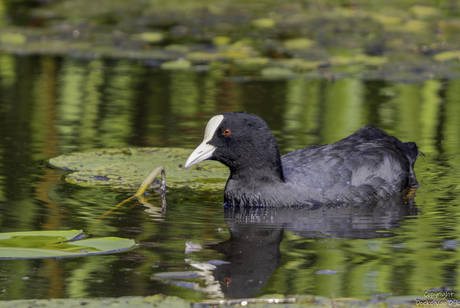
(50, 106)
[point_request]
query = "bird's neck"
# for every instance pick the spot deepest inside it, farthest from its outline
(253, 186)
(258, 171)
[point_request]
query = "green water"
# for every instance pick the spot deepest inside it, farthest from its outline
(50, 106)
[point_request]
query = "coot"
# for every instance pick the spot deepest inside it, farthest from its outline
(366, 166)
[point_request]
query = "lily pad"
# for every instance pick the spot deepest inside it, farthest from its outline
(371, 60)
(264, 23)
(447, 55)
(203, 56)
(125, 168)
(151, 37)
(252, 62)
(50, 244)
(13, 39)
(299, 43)
(176, 65)
(276, 72)
(422, 11)
(221, 40)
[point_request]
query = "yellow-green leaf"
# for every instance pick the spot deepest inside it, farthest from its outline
(176, 65)
(48, 244)
(447, 55)
(151, 37)
(299, 43)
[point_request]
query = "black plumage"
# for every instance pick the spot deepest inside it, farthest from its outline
(366, 166)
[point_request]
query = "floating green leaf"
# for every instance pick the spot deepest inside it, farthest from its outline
(371, 60)
(298, 43)
(340, 60)
(13, 39)
(202, 56)
(298, 64)
(151, 37)
(221, 40)
(49, 244)
(176, 65)
(125, 168)
(447, 55)
(177, 48)
(422, 11)
(276, 72)
(264, 23)
(252, 62)
(60, 235)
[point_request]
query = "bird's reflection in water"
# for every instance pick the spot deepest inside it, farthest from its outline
(253, 249)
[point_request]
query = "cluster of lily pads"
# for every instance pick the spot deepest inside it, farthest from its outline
(268, 38)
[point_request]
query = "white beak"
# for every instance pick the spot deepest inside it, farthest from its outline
(204, 150)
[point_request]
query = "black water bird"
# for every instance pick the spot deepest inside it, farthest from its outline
(366, 166)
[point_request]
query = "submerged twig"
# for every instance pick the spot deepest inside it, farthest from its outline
(140, 192)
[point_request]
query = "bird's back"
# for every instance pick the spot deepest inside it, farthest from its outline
(367, 165)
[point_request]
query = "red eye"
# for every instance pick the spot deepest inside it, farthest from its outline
(226, 132)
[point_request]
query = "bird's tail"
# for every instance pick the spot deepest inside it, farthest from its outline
(412, 153)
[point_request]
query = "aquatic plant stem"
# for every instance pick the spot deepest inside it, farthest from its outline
(140, 192)
(148, 180)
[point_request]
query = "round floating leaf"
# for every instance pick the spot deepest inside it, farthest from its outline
(415, 26)
(264, 23)
(276, 72)
(126, 168)
(202, 56)
(447, 55)
(387, 20)
(422, 11)
(252, 62)
(298, 64)
(298, 43)
(49, 244)
(340, 60)
(12, 39)
(371, 60)
(59, 236)
(221, 40)
(177, 48)
(176, 65)
(151, 37)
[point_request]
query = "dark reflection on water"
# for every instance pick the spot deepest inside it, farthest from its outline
(345, 221)
(253, 249)
(50, 106)
(253, 253)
